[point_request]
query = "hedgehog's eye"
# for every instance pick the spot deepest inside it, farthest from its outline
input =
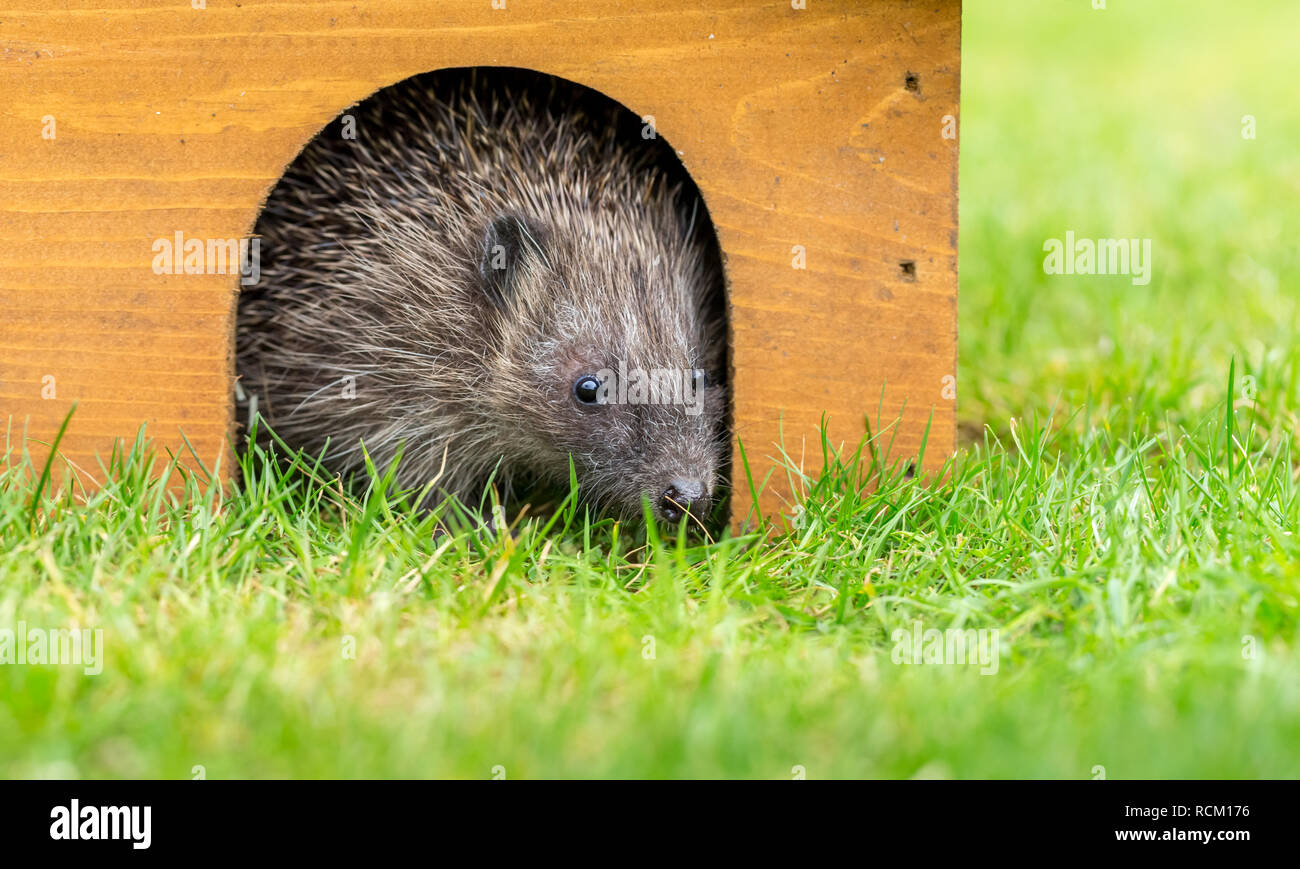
(587, 389)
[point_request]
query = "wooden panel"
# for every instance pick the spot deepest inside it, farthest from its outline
(818, 128)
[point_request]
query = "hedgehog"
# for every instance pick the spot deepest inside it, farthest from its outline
(503, 280)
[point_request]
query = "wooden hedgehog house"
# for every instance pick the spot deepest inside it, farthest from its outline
(821, 133)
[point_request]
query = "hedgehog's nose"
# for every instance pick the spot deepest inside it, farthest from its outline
(681, 497)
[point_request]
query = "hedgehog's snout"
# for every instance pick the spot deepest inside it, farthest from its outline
(682, 496)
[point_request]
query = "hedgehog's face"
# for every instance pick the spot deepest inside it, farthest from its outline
(624, 381)
(639, 433)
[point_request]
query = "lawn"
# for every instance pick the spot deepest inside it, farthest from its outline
(1123, 514)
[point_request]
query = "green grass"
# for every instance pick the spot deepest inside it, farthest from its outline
(1131, 535)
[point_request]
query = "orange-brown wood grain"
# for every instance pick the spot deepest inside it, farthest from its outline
(817, 130)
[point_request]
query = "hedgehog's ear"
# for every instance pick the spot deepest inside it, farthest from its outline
(508, 241)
